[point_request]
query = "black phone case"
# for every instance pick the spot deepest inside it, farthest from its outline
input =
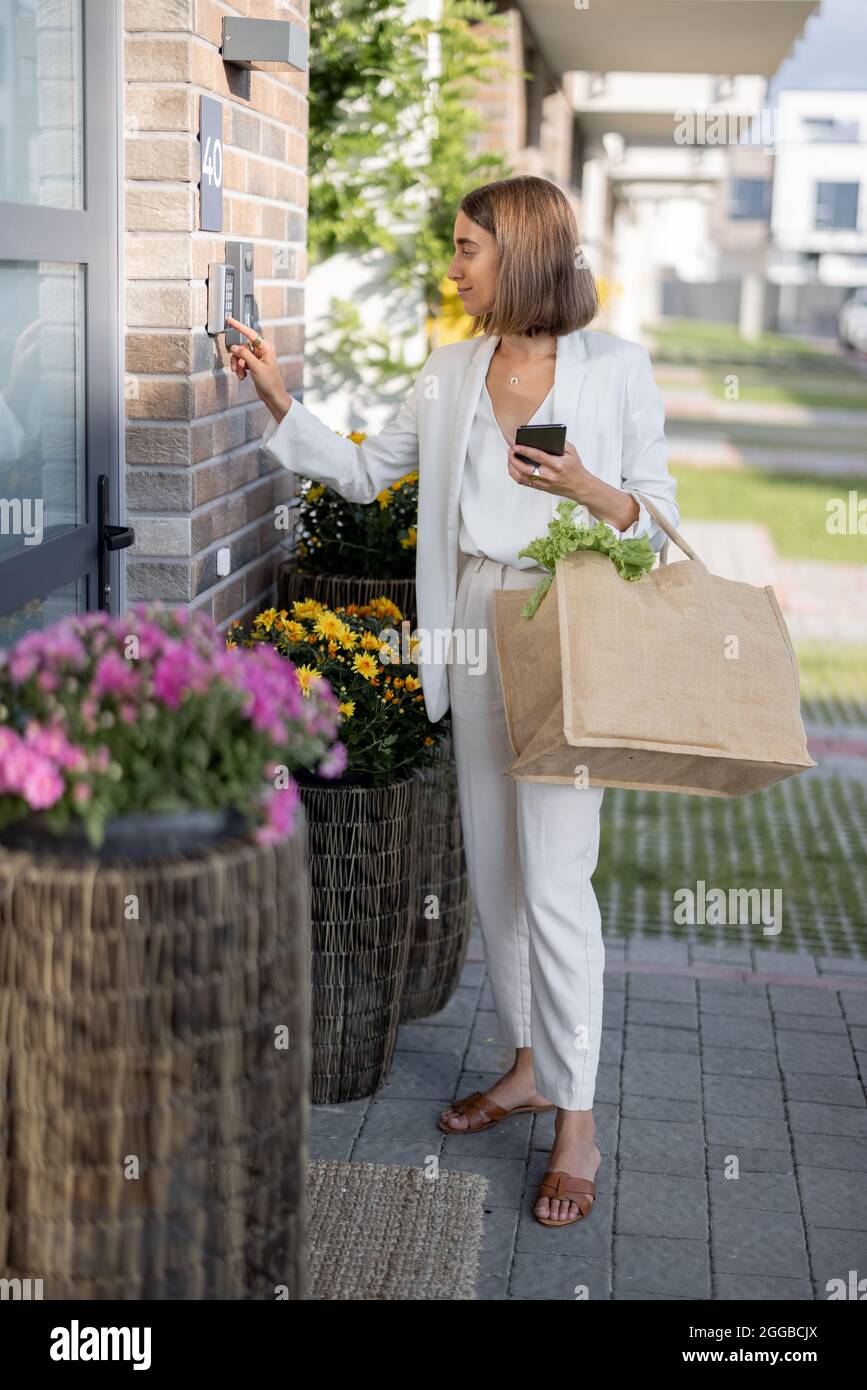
(539, 437)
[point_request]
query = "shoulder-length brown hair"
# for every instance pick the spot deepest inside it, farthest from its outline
(542, 283)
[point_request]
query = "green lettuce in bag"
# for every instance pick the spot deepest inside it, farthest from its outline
(632, 557)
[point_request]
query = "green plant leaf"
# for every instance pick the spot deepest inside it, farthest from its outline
(632, 557)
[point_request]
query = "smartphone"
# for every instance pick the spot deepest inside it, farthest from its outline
(550, 438)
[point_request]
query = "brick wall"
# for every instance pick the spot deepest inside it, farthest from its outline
(196, 479)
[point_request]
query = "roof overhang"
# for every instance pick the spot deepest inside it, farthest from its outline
(657, 127)
(722, 36)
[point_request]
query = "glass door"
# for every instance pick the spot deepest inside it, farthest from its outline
(59, 363)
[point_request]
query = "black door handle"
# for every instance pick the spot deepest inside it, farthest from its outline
(110, 538)
(118, 537)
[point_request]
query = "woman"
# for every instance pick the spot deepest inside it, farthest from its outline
(531, 847)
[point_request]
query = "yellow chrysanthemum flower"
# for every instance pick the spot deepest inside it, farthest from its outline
(384, 498)
(413, 683)
(306, 675)
(328, 624)
(313, 494)
(347, 708)
(364, 665)
(370, 642)
(410, 539)
(307, 608)
(295, 631)
(266, 619)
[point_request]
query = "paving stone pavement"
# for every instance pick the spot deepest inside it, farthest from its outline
(715, 1061)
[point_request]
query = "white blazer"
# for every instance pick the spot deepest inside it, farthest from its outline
(605, 394)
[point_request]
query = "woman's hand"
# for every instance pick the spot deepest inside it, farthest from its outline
(565, 476)
(260, 360)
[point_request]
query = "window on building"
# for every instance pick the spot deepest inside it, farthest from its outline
(538, 86)
(837, 206)
(576, 170)
(532, 95)
(829, 130)
(749, 199)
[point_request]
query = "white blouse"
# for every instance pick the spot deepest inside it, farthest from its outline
(497, 515)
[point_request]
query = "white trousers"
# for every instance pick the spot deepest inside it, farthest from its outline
(531, 848)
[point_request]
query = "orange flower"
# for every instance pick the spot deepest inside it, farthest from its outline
(383, 607)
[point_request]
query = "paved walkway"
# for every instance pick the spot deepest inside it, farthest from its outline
(710, 1057)
(702, 451)
(703, 406)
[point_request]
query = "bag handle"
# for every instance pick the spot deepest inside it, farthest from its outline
(666, 526)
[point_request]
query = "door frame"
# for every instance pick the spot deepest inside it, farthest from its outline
(90, 236)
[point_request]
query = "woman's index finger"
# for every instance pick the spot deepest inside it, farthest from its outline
(242, 328)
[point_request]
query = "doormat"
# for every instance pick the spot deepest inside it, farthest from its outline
(380, 1232)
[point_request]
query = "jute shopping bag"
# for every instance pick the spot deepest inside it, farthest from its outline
(679, 681)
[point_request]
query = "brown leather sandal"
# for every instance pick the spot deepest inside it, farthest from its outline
(563, 1187)
(482, 1113)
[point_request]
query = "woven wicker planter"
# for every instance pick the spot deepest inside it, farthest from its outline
(338, 590)
(439, 943)
(151, 1041)
(363, 878)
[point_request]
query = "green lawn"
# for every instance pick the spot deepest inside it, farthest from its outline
(791, 506)
(806, 836)
(833, 681)
(697, 342)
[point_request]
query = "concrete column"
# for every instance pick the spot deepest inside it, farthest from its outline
(752, 306)
(594, 230)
